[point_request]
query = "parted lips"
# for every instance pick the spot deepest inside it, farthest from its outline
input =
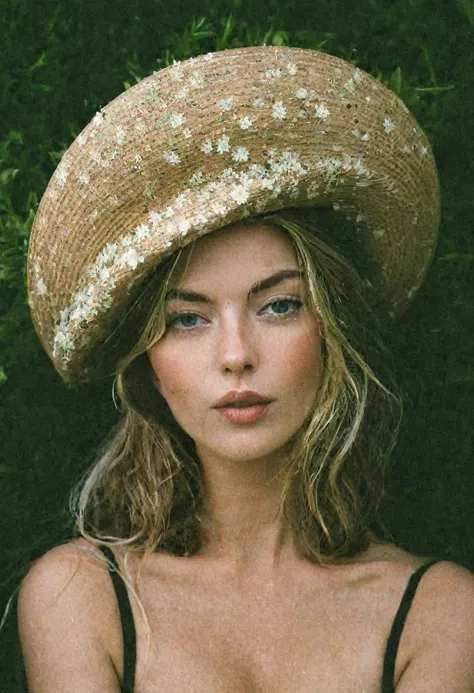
(209, 141)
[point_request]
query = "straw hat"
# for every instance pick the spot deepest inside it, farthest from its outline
(210, 141)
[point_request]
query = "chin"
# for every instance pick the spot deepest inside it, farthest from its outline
(245, 446)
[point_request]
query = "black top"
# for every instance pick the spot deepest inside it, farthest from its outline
(129, 635)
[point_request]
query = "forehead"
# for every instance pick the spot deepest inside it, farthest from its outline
(243, 249)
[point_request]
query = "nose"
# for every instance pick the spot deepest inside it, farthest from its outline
(237, 348)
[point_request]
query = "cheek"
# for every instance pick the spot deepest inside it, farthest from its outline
(174, 375)
(301, 359)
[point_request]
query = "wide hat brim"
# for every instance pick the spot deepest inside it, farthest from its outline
(210, 141)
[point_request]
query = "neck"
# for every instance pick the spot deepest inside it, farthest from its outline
(242, 523)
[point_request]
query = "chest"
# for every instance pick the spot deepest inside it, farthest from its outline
(213, 640)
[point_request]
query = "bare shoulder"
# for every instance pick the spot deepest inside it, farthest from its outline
(68, 572)
(65, 607)
(440, 626)
(438, 635)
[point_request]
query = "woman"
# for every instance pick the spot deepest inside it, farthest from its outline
(225, 237)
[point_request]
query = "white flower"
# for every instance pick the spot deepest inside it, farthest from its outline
(138, 159)
(292, 69)
(197, 80)
(276, 191)
(130, 258)
(62, 175)
(120, 135)
(196, 179)
(356, 76)
(268, 183)
(331, 167)
(278, 110)
(240, 194)
(84, 179)
(172, 158)
(226, 104)
(187, 133)
(177, 72)
(359, 218)
(388, 125)
(142, 232)
(169, 212)
(257, 171)
(244, 178)
(349, 86)
(206, 146)
(365, 137)
(289, 162)
(406, 149)
(177, 119)
(41, 288)
(273, 74)
(359, 167)
(104, 274)
(99, 118)
(183, 226)
(228, 175)
(155, 218)
(312, 190)
(182, 94)
(223, 144)
(259, 103)
(182, 199)
(321, 112)
(114, 154)
(423, 151)
(81, 139)
(64, 317)
(209, 56)
(240, 154)
(61, 341)
(302, 93)
(219, 209)
(107, 255)
(245, 123)
(293, 191)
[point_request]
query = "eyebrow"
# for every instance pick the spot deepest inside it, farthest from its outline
(262, 285)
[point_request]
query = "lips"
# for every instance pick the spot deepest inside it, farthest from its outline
(240, 405)
(242, 398)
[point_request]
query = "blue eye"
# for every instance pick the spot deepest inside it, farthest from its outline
(286, 301)
(173, 319)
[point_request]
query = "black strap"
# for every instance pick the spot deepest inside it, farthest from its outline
(388, 678)
(128, 625)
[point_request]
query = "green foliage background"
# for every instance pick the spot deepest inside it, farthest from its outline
(63, 60)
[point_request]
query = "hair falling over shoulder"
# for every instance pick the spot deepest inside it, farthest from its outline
(145, 491)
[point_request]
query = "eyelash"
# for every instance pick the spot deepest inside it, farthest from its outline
(172, 317)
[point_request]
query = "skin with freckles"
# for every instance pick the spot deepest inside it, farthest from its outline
(269, 343)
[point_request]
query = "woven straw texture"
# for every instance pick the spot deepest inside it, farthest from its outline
(206, 142)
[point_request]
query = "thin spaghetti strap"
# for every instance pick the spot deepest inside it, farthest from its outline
(128, 625)
(388, 678)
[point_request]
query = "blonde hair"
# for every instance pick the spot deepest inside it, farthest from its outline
(145, 491)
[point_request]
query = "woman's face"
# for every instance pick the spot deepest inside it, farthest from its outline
(266, 341)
